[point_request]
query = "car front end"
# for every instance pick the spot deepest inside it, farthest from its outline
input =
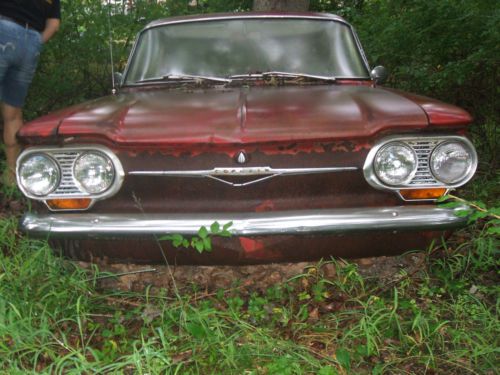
(299, 163)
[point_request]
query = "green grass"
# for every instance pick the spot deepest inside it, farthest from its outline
(444, 318)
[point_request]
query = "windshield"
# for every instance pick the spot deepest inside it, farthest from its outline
(231, 47)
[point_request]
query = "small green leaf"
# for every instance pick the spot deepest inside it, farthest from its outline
(176, 239)
(328, 370)
(185, 243)
(196, 330)
(378, 369)
(304, 296)
(343, 358)
(199, 246)
(493, 230)
(227, 226)
(215, 228)
(480, 204)
(225, 233)
(203, 232)
(495, 211)
(462, 213)
(362, 350)
(443, 198)
(478, 215)
(207, 244)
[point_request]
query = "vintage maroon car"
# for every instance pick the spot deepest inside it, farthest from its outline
(273, 123)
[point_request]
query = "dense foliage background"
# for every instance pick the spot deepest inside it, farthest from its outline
(448, 49)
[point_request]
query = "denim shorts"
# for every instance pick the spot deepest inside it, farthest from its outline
(20, 49)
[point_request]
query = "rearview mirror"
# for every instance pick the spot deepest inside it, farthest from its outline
(118, 78)
(379, 74)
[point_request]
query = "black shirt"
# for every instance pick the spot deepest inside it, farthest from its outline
(31, 12)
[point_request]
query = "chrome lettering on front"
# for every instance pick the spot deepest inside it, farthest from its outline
(250, 171)
(265, 172)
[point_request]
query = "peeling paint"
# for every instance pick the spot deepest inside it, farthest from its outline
(251, 245)
(267, 205)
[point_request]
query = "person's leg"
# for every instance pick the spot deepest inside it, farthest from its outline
(13, 121)
(18, 61)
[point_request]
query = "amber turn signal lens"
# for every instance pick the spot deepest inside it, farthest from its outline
(69, 204)
(412, 194)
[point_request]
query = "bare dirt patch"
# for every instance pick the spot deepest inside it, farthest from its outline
(134, 277)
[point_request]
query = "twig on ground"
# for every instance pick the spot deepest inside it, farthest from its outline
(475, 206)
(123, 302)
(122, 274)
(207, 295)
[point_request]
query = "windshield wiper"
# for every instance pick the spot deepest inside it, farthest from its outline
(183, 77)
(284, 75)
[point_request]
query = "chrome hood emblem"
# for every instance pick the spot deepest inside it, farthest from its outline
(241, 157)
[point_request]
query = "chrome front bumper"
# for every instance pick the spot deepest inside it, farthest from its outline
(335, 221)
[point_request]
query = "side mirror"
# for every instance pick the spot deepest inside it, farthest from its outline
(379, 74)
(118, 78)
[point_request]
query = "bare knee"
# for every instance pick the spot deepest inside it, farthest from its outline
(11, 115)
(11, 142)
(13, 118)
(13, 121)
(9, 134)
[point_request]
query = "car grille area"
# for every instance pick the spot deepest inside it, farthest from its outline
(68, 186)
(423, 149)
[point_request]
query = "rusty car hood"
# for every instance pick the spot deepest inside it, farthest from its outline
(244, 115)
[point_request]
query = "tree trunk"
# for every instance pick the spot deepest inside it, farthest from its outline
(281, 5)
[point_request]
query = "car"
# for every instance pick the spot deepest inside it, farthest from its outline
(269, 127)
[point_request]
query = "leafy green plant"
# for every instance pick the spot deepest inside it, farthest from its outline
(475, 211)
(203, 241)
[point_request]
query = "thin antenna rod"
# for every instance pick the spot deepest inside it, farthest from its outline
(113, 91)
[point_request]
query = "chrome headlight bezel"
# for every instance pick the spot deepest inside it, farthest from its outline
(410, 154)
(424, 146)
(68, 187)
(109, 172)
(22, 183)
(463, 174)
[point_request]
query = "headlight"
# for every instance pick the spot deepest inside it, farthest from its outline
(395, 163)
(94, 172)
(39, 174)
(451, 162)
